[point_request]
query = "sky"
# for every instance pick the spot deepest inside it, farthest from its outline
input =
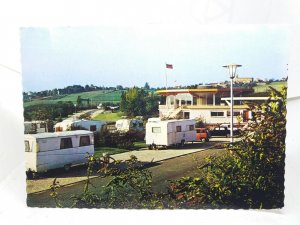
(133, 55)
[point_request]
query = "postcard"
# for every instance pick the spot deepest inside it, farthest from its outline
(155, 116)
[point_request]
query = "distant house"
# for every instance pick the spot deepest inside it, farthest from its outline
(243, 80)
(208, 103)
(72, 124)
(219, 84)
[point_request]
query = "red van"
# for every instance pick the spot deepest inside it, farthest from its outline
(202, 134)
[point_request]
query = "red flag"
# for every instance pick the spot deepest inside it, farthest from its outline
(169, 66)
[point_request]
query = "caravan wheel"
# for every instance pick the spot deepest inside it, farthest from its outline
(31, 175)
(182, 143)
(152, 146)
(67, 167)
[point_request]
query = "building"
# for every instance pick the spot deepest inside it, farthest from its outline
(243, 80)
(207, 103)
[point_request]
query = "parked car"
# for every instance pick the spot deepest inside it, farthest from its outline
(223, 131)
(202, 134)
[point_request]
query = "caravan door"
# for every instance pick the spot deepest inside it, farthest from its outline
(171, 134)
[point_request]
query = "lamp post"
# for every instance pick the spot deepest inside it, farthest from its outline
(75, 107)
(232, 71)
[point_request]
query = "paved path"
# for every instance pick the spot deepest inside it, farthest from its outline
(155, 155)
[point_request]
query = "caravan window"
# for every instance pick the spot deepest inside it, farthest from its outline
(93, 128)
(156, 130)
(84, 141)
(190, 127)
(178, 128)
(66, 143)
(27, 147)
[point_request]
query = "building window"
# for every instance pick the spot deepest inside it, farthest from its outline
(66, 143)
(27, 147)
(84, 141)
(194, 101)
(217, 114)
(42, 125)
(234, 113)
(210, 100)
(156, 130)
(218, 101)
(178, 128)
(186, 115)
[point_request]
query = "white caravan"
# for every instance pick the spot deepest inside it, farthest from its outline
(91, 125)
(169, 132)
(125, 125)
(48, 151)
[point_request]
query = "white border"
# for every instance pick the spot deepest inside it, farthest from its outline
(15, 14)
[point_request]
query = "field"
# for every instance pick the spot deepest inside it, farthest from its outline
(265, 88)
(95, 97)
(109, 116)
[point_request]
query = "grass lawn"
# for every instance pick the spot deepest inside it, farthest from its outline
(109, 116)
(110, 150)
(265, 88)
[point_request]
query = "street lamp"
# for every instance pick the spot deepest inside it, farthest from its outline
(75, 107)
(232, 71)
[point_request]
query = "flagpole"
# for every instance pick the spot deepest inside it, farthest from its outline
(166, 77)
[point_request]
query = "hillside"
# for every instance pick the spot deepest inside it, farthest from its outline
(265, 88)
(95, 97)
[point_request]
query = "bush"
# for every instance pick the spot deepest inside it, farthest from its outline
(124, 140)
(130, 186)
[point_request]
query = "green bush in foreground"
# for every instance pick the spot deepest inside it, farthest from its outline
(129, 186)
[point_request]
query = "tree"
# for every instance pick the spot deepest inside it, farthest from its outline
(251, 173)
(146, 86)
(79, 101)
(137, 102)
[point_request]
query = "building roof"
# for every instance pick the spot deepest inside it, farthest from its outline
(202, 90)
(58, 134)
(170, 121)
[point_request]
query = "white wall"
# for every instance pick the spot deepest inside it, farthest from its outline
(205, 114)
